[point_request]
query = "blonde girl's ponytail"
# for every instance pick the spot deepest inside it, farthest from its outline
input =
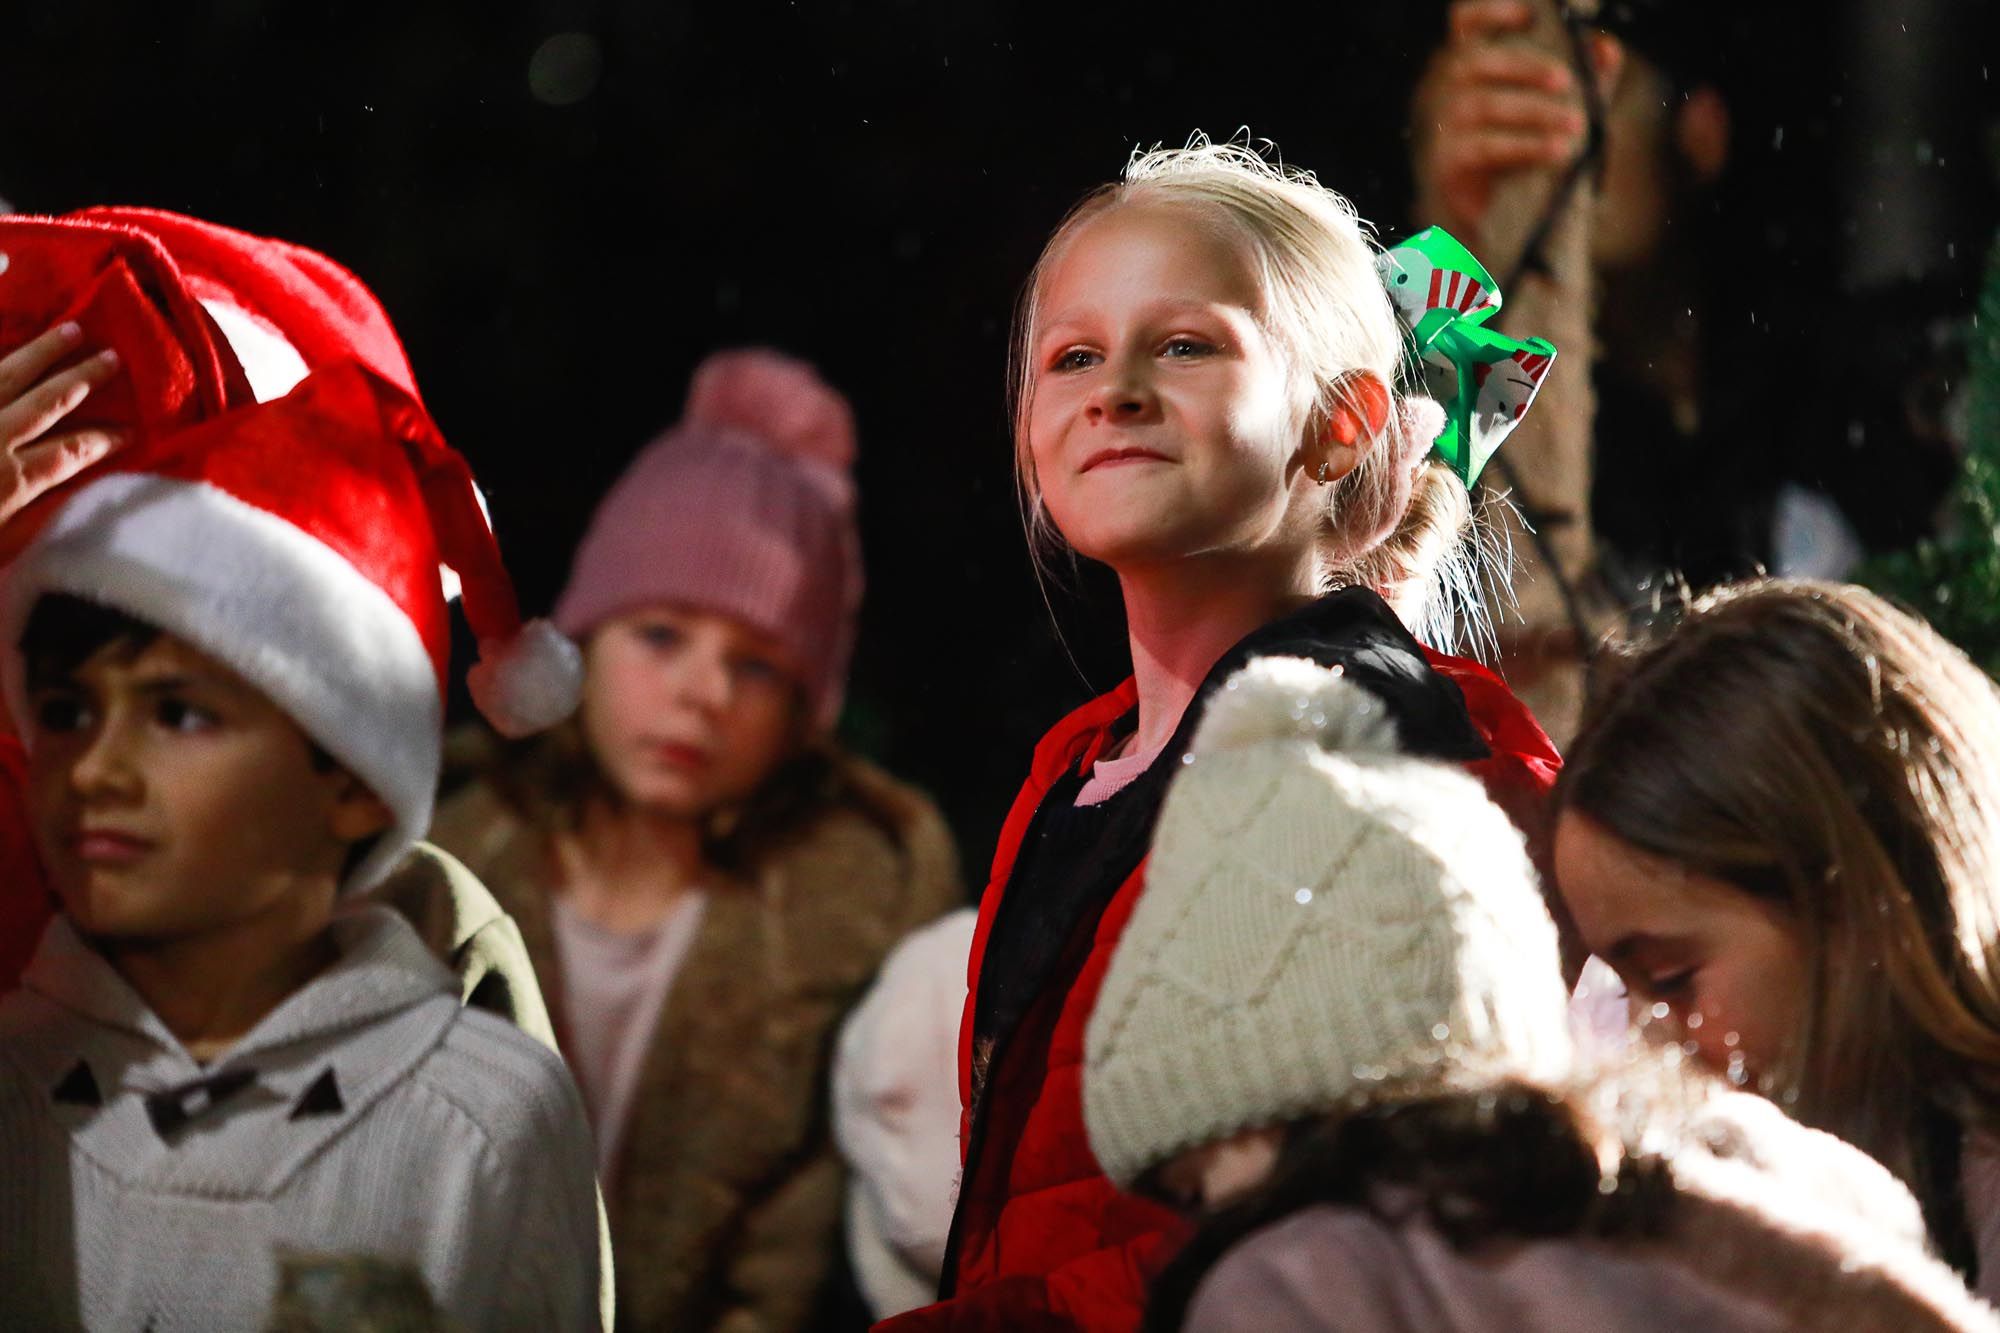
(1403, 524)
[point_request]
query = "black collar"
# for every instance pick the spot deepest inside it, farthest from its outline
(1072, 860)
(1355, 630)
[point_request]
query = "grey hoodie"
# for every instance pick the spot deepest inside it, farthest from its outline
(368, 1114)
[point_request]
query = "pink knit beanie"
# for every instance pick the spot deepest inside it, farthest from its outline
(746, 507)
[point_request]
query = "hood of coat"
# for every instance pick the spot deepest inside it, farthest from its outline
(317, 1060)
(381, 966)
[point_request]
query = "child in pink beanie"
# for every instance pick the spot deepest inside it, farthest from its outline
(746, 508)
(704, 880)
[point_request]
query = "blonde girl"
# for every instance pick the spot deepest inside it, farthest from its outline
(1208, 401)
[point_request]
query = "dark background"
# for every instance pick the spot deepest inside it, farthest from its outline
(563, 228)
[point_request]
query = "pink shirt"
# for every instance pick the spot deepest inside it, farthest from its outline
(1110, 776)
(614, 988)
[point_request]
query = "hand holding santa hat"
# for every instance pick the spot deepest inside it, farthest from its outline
(299, 542)
(202, 319)
(289, 502)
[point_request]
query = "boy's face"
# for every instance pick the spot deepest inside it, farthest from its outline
(171, 798)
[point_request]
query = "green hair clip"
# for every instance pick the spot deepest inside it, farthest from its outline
(1484, 379)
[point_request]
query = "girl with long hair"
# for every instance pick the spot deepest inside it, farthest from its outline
(1335, 1029)
(1781, 825)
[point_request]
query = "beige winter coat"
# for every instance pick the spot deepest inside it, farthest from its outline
(469, 932)
(725, 1206)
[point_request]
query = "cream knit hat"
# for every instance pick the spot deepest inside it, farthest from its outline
(1325, 920)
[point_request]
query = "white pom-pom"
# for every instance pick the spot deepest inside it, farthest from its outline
(1422, 421)
(529, 682)
(1294, 699)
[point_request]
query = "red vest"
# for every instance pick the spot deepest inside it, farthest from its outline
(1045, 1239)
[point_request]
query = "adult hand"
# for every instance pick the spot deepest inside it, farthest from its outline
(35, 398)
(1487, 106)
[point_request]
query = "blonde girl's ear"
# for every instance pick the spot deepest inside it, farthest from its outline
(1349, 427)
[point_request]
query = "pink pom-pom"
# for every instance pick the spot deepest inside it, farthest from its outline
(777, 398)
(1422, 420)
(528, 682)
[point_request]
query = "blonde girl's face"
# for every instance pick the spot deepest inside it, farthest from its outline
(1703, 960)
(1159, 423)
(686, 711)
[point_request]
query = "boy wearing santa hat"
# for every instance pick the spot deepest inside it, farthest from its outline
(120, 326)
(231, 650)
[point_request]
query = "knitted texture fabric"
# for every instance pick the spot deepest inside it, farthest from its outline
(1325, 920)
(745, 508)
(374, 1116)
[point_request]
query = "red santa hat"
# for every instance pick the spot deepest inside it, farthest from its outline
(298, 542)
(299, 538)
(204, 318)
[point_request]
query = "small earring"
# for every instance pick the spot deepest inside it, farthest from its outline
(1324, 466)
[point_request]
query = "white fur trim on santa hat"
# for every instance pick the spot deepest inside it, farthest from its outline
(529, 682)
(280, 608)
(270, 362)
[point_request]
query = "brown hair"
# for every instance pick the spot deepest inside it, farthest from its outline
(548, 780)
(63, 632)
(1513, 1160)
(1828, 753)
